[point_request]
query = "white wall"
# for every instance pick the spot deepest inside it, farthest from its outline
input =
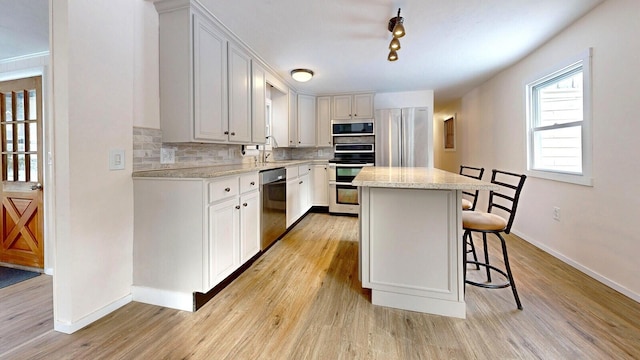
(93, 61)
(597, 231)
(147, 73)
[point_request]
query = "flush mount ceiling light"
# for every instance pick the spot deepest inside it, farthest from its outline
(301, 75)
(397, 30)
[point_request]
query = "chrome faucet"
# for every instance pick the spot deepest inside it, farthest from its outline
(266, 155)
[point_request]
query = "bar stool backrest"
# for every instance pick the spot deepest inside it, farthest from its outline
(475, 173)
(506, 199)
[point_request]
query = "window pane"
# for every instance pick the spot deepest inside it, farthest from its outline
(558, 149)
(34, 168)
(33, 137)
(20, 106)
(560, 101)
(7, 103)
(9, 168)
(21, 172)
(20, 138)
(9, 134)
(33, 114)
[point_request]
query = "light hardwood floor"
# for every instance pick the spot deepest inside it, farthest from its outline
(303, 300)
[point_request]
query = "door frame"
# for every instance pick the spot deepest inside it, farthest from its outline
(39, 65)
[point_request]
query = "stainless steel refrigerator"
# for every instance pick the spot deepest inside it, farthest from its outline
(403, 137)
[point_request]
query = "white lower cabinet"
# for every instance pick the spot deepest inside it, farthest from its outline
(224, 240)
(191, 234)
(320, 185)
(250, 229)
(293, 203)
(298, 192)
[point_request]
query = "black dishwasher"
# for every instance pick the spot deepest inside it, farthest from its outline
(273, 221)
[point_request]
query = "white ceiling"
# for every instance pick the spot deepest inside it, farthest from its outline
(451, 46)
(24, 27)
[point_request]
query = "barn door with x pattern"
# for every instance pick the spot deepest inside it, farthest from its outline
(21, 188)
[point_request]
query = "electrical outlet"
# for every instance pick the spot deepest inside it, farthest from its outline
(556, 213)
(167, 155)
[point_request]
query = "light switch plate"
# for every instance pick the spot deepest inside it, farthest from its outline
(116, 159)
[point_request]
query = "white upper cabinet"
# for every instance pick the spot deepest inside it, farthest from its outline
(239, 95)
(193, 76)
(212, 89)
(258, 115)
(323, 122)
(293, 118)
(306, 120)
(352, 106)
(210, 84)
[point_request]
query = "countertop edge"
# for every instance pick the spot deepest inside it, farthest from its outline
(215, 171)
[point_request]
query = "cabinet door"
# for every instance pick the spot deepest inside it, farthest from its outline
(306, 120)
(209, 82)
(363, 106)
(342, 107)
(249, 225)
(224, 240)
(293, 118)
(293, 201)
(239, 96)
(320, 185)
(258, 122)
(323, 121)
(304, 194)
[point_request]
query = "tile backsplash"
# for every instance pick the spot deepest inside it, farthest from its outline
(147, 143)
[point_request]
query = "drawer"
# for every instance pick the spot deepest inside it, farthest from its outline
(223, 188)
(292, 172)
(303, 169)
(248, 182)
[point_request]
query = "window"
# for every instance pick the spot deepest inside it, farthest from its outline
(450, 134)
(558, 123)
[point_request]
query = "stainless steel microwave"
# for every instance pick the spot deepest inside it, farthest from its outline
(351, 127)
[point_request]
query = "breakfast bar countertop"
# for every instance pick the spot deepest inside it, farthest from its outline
(418, 178)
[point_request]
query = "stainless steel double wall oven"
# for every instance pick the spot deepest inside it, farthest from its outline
(350, 156)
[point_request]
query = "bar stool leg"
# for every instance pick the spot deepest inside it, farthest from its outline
(469, 241)
(508, 267)
(486, 255)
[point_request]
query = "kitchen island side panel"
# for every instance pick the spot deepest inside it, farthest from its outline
(411, 249)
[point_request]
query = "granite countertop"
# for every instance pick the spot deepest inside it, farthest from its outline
(418, 178)
(205, 172)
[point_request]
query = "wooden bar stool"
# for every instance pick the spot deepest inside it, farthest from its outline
(490, 223)
(469, 201)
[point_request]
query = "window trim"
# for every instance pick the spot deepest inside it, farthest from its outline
(585, 178)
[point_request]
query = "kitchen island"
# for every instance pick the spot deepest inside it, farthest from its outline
(411, 250)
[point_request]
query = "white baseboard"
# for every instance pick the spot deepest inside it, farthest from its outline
(610, 283)
(171, 299)
(70, 328)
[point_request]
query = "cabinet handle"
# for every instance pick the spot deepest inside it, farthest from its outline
(355, 115)
(237, 207)
(245, 204)
(299, 142)
(227, 189)
(233, 134)
(226, 133)
(253, 183)
(300, 182)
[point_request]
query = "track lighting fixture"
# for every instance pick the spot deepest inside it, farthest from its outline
(397, 30)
